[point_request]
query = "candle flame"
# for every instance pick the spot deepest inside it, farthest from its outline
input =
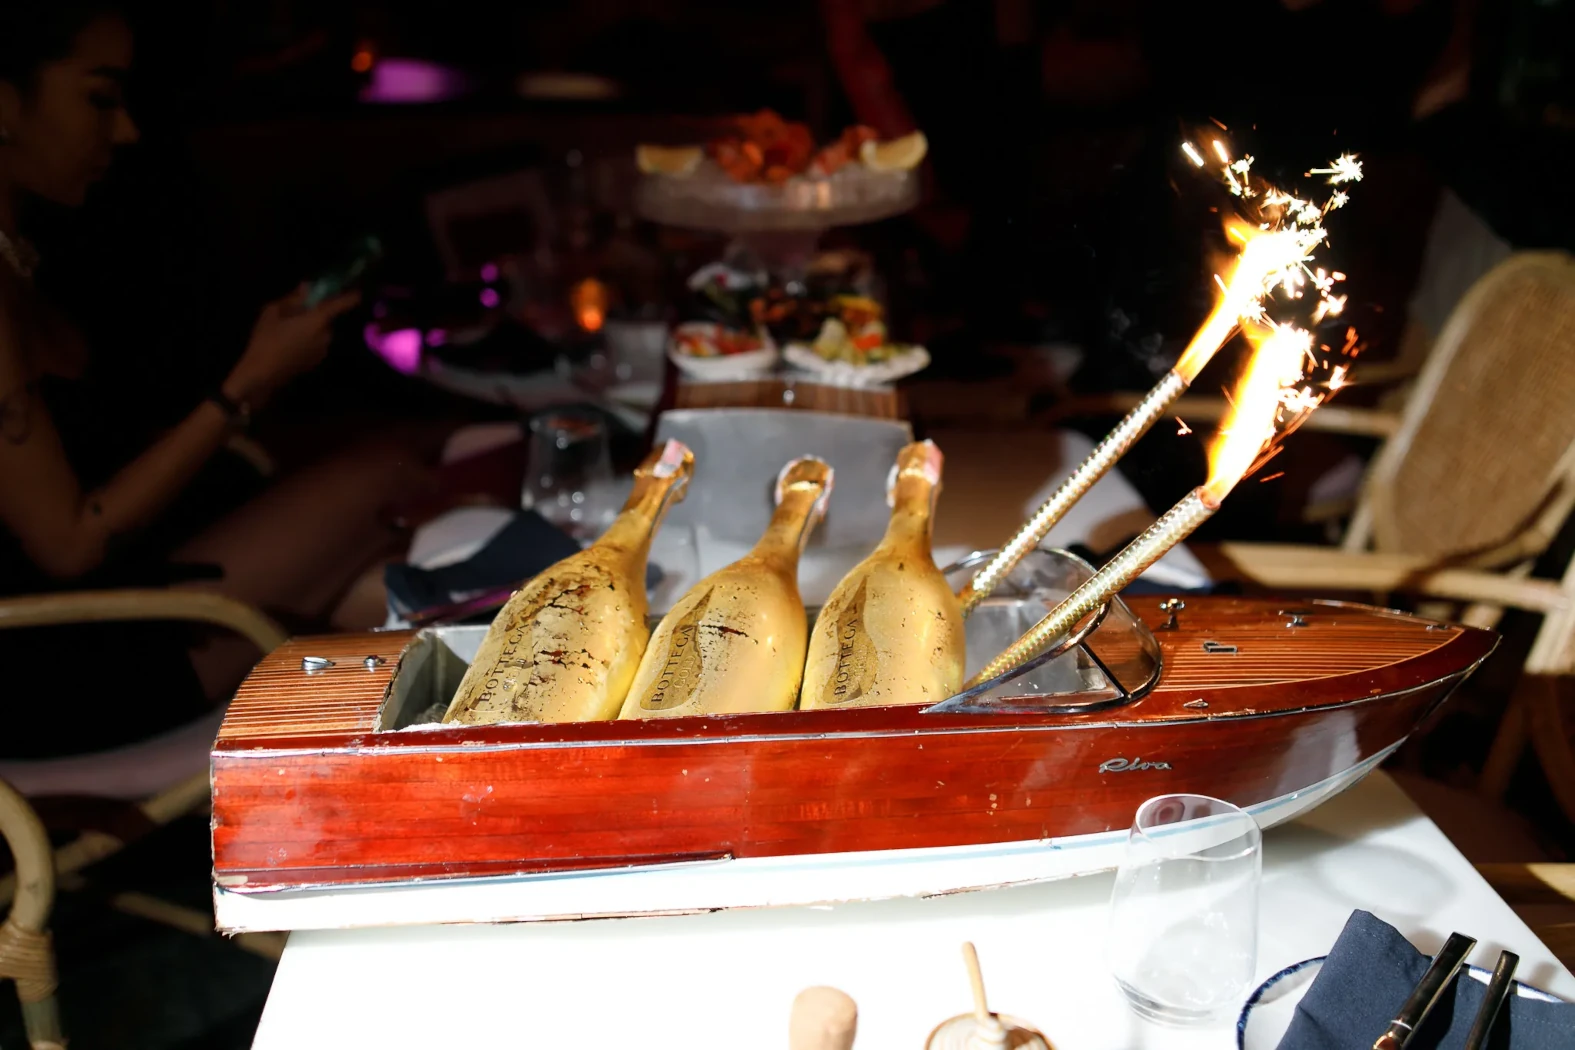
(1253, 420)
(588, 300)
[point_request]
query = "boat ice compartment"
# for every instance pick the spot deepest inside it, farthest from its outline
(1112, 659)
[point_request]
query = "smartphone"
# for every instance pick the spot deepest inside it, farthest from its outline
(358, 259)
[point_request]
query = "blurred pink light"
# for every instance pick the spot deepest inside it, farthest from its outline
(489, 297)
(396, 80)
(436, 337)
(401, 348)
(489, 272)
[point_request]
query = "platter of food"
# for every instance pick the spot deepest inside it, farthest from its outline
(852, 346)
(828, 323)
(769, 174)
(708, 350)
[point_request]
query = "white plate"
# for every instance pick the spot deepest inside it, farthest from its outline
(728, 366)
(1269, 1009)
(841, 373)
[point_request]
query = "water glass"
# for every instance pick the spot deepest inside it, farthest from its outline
(568, 478)
(1183, 936)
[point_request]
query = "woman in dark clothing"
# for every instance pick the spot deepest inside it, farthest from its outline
(83, 501)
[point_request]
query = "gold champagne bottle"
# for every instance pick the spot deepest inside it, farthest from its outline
(735, 641)
(566, 645)
(892, 631)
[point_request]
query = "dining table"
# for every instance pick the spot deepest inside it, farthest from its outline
(728, 979)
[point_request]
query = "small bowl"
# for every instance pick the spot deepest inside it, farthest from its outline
(749, 365)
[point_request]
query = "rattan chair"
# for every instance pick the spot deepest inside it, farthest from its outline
(1474, 482)
(157, 781)
(26, 954)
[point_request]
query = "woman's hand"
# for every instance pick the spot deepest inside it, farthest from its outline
(289, 338)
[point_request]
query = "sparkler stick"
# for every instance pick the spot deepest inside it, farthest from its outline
(1276, 367)
(1273, 256)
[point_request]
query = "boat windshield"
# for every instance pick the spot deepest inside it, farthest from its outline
(1111, 659)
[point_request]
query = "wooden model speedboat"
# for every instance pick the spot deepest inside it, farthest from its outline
(330, 808)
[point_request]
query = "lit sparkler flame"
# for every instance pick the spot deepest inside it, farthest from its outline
(1277, 236)
(1278, 233)
(1254, 417)
(1267, 259)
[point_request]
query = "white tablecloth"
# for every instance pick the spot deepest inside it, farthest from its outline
(726, 980)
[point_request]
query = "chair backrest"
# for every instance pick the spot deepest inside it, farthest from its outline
(1482, 467)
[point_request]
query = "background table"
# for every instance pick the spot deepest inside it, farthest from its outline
(993, 482)
(727, 979)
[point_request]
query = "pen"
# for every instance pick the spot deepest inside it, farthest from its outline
(1445, 966)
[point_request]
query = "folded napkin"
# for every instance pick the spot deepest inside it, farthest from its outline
(1370, 973)
(521, 549)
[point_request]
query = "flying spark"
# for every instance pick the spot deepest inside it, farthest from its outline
(1344, 168)
(1185, 430)
(1192, 154)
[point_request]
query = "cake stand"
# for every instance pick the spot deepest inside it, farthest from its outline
(775, 226)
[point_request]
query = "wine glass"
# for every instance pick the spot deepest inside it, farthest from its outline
(1183, 935)
(569, 479)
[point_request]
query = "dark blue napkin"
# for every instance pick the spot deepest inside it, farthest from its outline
(1370, 973)
(521, 549)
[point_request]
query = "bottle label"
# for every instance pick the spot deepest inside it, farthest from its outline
(517, 678)
(857, 661)
(680, 674)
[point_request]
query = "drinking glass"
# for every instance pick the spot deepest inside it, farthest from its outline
(568, 478)
(1183, 936)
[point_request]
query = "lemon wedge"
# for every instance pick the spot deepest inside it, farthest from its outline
(677, 161)
(902, 154)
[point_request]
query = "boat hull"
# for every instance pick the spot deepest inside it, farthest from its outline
(540, 822)
(686, 888)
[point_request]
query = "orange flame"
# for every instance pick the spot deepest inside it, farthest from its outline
(1265, 256)
(1277, 357)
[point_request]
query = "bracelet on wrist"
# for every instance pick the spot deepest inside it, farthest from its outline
(237, 413)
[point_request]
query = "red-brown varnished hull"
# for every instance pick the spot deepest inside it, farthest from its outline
(306, 793)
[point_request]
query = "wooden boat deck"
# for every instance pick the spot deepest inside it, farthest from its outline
(1342, 651)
